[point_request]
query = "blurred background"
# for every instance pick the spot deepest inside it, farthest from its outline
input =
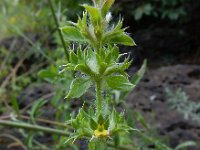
(166, 32)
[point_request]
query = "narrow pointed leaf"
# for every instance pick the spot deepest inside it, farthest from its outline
(84, 69)
(15, 104)
(136, 79)
(93, 124)
(119, 82)
(47, 74)
(72, 34)
(122, 38)
(185, 145)
(138, 75)
(92, 63)
(106, 6)
(91, 145)
(73, 58)
(94, 13)
(78, 87)
(100, 119)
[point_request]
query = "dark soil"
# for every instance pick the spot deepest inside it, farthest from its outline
(149, 99)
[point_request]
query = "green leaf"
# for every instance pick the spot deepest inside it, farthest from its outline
(72, 34)
(92, 145)
(139, 74)
(29, 139)
(106, 124)
(91, 62)
(47, 74)
(185, 144)
(35, 109)
(141, 119)
(116, 68)
(91, 112)
(95, 15)
(138, 13)
(112, 123)
(108, 58)
(15, 104)
(122, 38)
(148, 9)
(115, 53)
(106, 6)
(135, 79)
(103, 67)
(78, 87)
(100, 119)
(93, 124)
(84, 69)
(96, 144)
(80, 54)
(119, 82)
(73, 58)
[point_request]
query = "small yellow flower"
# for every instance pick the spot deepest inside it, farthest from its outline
(101, 132)
(13, 20)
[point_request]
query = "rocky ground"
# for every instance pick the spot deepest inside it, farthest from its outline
(150, 99)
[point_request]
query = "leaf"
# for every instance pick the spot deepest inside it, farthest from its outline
(96, 144)
(29, 139)
(73, 58)
(47, 74)
(185, 144)
(84, 69)
(35, 108)
(118, 68)
(78, 87)
(135, 79)
(147, 9)
(106, 123)
(91, 112)
(15, 104)
(93, 124)
(91, 145)
(138, 13)
(122, 38)
(112, 122)
(100, 119)
(115, 53)
(139, 74)
(80, 54)
(119, 82)
(106, 6)
(72, 34)
(95, 15)
(92, 63)
(141, 119)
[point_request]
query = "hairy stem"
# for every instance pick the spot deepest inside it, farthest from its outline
(98, 96)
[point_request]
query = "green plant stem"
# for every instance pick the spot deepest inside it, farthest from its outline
(37, 120)
(121, 147)
(46, 129)
(59, 31)
(98, 96)
(34, 127)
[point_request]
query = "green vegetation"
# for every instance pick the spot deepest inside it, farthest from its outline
(179, 101)
(170, 9)
(86, 67)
